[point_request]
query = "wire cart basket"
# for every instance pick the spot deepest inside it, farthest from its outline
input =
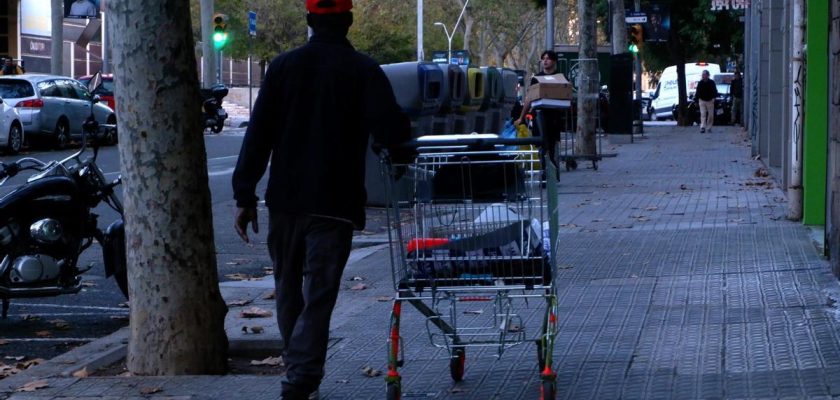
(479, 228)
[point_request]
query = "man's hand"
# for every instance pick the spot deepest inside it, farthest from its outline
(244, 216)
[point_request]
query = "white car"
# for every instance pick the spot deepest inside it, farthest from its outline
(11, 129)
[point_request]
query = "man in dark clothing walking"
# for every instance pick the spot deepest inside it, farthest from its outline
(316, 108)
(736, 89)
(706, 94)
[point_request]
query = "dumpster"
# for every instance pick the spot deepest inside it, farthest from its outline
(418, 87)
(454, 94)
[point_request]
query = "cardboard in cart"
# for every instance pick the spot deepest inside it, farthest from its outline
(549, 87)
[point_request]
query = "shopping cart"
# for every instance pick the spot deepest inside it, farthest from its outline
(480, 227)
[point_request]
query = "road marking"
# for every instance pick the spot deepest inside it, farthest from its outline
(65, 306)
(69, 339)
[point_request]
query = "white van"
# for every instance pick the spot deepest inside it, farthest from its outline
(667, 93)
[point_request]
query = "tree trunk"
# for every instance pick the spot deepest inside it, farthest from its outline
(677, 52)
(177, 312)
(834, 140)
(619, 27)
(587, 100)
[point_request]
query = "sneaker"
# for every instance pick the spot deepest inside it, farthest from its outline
(702, 130)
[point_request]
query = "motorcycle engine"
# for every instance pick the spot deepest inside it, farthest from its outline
(34, 268)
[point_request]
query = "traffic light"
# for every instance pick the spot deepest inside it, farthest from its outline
(220, 35)
(635, 34)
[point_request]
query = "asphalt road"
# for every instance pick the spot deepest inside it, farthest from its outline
(46, 327)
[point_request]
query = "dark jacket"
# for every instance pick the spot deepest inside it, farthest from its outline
(706, 90)
(737, 88)
(313, 116)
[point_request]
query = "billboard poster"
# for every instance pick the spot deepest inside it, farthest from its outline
(658, 23)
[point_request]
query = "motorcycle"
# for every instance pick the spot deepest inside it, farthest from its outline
(212, 112)
(47, 222)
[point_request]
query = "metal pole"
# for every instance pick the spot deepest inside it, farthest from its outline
(207, 52)
(549, 25)
(638, 68)
(105, 42)
(419, 30)
(250, 83)
(798, 104)
(57, 52)
(219, 67)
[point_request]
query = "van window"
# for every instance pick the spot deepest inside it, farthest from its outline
(15, 89)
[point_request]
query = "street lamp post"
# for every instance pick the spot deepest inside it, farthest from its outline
(449, 39)
(454, 28)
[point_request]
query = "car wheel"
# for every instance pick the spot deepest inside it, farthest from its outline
(15, 139)
(61, 136)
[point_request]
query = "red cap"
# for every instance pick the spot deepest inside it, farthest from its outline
(328, 6)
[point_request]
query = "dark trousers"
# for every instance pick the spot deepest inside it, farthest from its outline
(309, 254)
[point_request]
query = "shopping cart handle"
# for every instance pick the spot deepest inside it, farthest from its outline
(466, 140)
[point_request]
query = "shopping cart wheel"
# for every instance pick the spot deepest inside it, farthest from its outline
(394, 391)
(548, 391)
(456, 364)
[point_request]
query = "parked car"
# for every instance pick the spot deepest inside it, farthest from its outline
(666, 95)
(105, 90)
(53, 108)
(11, 128)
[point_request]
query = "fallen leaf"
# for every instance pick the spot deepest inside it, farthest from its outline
(88, 284)
(239, 277)
(150, 390)
(381, 299)
(357, 278)
(683, 187)
(82, 373)
(239, 303)
(43, 334)
(269, 362)
(33, 386)
(359, 286)
(125, 374)
(473, 312)
(370, 372)
(60, 324)
(269, 296)
(514, 328)
(3, 341)
(30, 363)
(651, 208)
(123, 305)
(238, 261)
(253, 329)
(762, 173)
(255, 312)
(30, 317)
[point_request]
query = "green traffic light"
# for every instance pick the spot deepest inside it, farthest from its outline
(633, 48)
(219, 39)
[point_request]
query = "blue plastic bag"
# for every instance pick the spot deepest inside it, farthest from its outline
(509, 132)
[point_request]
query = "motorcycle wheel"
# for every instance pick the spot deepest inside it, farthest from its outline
(217, 128)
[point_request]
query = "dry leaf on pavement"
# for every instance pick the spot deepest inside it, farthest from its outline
(238, 303)
(82, 373)
(255, 312)
(29, 317)
(60, 324)
(30, 363)
(33, 386)
(269, 296)
(384, 298)
(254, 329)
(473, 312)
(123, 305)
(239, 277)
(3, 341)
(359, 286)
(357, 278)
(370, 372)
(88, 283)
(43, 334)
(269, 362)
(150, 390)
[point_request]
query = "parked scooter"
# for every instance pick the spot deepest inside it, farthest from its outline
(47, 222)
(212, 113)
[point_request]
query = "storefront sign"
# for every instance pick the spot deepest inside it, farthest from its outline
(718, 5)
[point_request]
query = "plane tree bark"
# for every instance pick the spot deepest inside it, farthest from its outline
(177, 312)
